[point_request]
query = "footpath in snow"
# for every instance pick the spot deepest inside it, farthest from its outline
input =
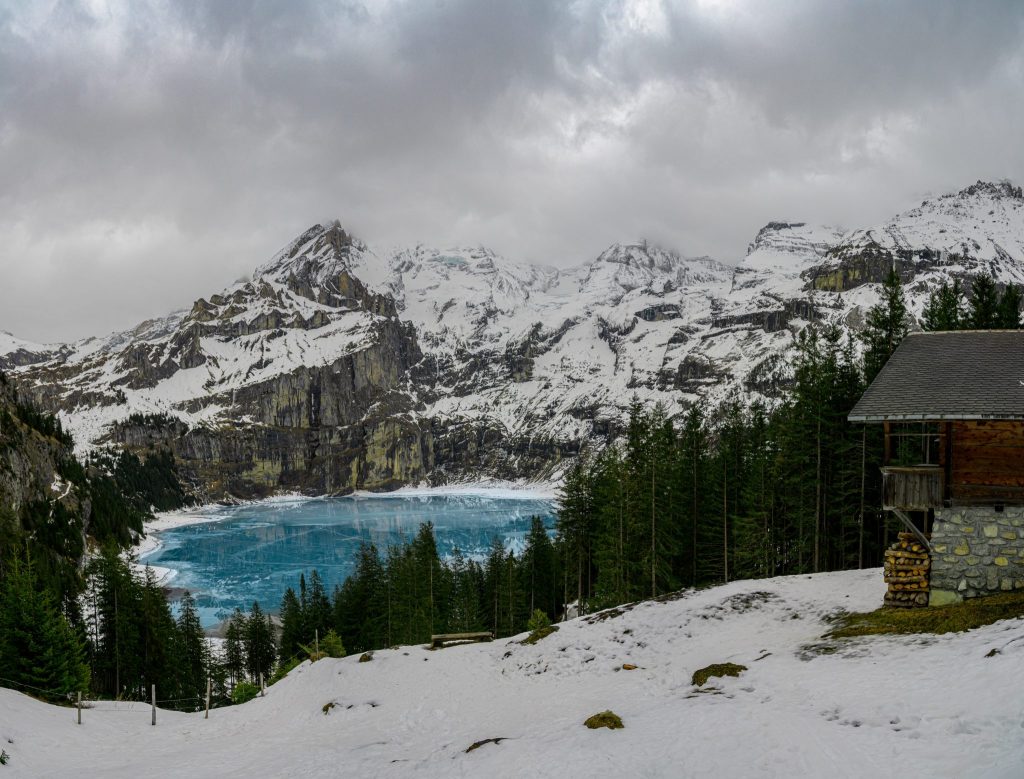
(928, 706)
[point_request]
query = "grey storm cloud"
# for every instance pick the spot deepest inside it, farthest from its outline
(152, 152)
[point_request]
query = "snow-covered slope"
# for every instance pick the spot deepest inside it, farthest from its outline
(15, 352)
(935, 706)
(371, 367)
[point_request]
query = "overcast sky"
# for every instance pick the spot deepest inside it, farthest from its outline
(151, 153)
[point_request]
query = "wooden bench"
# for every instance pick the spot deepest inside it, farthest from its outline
(439, 640)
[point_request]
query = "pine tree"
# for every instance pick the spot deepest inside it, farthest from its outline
(117, 646)
(693, 455)
(576, 526)
(492, 590)
(361, 606)
(464, 612)
(611, 495)
(40, 653)
(259, 644)
(1008, 314)
(318, 615)
(161, 659)
(984, 305)
(540, 570)
(945, 308)
(291, 625)
(194, 649)
(886, 326)
(235, 661)
(430, 609)
(331, 645)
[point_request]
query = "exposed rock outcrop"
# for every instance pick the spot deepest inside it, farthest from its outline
(339, 368)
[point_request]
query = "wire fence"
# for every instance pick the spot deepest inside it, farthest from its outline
(47, 693)
(105, 705)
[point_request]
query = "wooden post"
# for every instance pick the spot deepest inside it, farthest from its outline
(209, 687)
(79, 707)
(947, 487)
(263, 687)
(316, 642)
(153, 692)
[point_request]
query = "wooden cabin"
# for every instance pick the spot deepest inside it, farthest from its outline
(952, 406)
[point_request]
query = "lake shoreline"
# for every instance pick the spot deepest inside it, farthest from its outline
(167, 572)
(149, 542)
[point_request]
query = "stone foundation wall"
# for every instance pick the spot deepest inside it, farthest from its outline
(976, 551)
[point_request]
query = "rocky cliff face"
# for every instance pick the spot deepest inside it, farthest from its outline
(343, 367)
(31, 453)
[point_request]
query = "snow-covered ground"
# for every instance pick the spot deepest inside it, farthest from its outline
(928, 706)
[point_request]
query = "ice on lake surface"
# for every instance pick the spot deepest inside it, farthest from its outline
(254, 552)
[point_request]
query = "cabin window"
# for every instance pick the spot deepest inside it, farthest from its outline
(915, 443)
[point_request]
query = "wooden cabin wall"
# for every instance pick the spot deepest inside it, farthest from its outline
(987, 462)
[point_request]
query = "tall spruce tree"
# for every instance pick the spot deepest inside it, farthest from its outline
(945, 308)
(362, 608)
(40, 653)
(984, 303)
(234, 647)
(464, 612)
(260, 651)
(576, 526)
(539, 566)
(1008, 313)
(318, 614)
(693, 456)
(195, 652)
(886, 326)
(291, 625)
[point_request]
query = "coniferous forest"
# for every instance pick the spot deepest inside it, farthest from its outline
(730, 492)
(74, 615)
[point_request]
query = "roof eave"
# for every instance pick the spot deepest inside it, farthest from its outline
(935, 417)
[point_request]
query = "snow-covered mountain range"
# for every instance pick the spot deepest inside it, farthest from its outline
(343, 366)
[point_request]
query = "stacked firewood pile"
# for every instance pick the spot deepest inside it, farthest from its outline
(906, 572)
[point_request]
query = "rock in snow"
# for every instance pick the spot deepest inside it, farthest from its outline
(342, 366)
(935, 706)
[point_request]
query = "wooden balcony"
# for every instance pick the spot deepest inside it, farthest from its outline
(912, 488)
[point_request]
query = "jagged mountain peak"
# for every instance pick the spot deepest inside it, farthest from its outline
(491, 365)
(770, 233)
(981, 199)
(787, 244)
(322, 250)
(639, 253)
(641, 264)
(995, 190)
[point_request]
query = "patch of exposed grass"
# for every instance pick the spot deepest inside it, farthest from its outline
(955, 618)
(717, 670)
(540, 633)
(606, 719)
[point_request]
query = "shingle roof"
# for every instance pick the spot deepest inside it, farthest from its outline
(974, 374)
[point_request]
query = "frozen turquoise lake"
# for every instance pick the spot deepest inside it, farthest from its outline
(239, 554)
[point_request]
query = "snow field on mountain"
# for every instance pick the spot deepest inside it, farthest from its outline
(525, 351)
(932, 706)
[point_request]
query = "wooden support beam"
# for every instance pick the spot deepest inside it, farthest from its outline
(909, 523)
